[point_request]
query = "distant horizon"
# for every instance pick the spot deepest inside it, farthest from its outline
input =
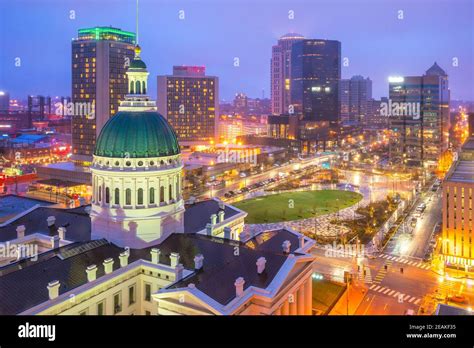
(376, 42)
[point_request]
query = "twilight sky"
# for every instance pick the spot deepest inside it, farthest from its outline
(214, 32)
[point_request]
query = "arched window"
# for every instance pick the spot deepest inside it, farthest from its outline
(143, 87)
(152, 195)
(162, 194)
(100, 193)
(171, 192)
(140, 196)
(117, 196)
(131, 87)
(107, 195)
(177, 189)
(128, 196)
(137, 87)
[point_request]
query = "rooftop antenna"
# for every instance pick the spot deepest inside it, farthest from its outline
(137, 23)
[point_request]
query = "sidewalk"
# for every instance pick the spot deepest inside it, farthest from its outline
(356, 295)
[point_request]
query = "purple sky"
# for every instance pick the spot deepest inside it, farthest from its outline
(377, 43)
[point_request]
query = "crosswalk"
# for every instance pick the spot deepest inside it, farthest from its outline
(382, 272)
(365, 275)
(401, 297)
(414, 263)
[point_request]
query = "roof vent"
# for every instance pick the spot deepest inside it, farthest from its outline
(91, 272)
(20, 231)
(239, 286)
(198, 261)
(51, 220)
(108, 265)
(261, 265)
(286, 246)
(53, 289)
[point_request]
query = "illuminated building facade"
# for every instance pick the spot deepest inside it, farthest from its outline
(280, 68)
(189, 100)
(100, 58)
(419, 118)
(458, 226)
(315, 75)
(355, 94)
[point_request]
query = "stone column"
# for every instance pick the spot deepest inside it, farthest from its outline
(300, 300)
(308, 294)
(293, 308)
(285, 309)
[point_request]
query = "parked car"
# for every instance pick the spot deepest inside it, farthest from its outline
(457, 298)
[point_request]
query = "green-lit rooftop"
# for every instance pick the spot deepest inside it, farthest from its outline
(106, 33)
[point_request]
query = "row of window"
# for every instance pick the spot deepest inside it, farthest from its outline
(140, 196)
(117, 300)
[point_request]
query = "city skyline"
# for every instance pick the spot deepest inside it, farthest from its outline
(383, 54)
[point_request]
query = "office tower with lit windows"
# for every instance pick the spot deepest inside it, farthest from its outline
(355, 94)
(315, 75)
(419, 118)
(280, 69)
(190, 102)
(100, 58)
(457, 240)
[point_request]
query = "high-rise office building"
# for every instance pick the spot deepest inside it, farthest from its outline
(418, 113)
(458, 230)
(315, 75)
(38, 107)
(4, 101)
(190, 102)
(100, 59)
(281, 73)
(355, 94)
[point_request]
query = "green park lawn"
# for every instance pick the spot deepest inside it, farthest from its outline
(296, 205)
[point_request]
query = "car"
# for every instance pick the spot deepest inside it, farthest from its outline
(457, 298)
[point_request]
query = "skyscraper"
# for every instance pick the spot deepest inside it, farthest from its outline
(315, 75)
(4, 101)
(100, 58)
(355, 94)
(190, 102)
(418, 114)
(280, 73)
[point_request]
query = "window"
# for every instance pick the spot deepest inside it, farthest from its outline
(117, 196)
(100, 308)
(140, 196)
(162, 194)
(147, 313)
(84, 312)
(137, 87)
(100, 194)
(170, 192)
(107, 195)
(148, 292)
(128, 196)
(131, 295)
(117, 303)
(152, 195)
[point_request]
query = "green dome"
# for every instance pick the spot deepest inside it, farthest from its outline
(138, 134)
(137, 64)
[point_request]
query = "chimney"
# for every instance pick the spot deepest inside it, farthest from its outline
(20, 231)
(213, 219)
(62, 233)
(155, 255)
(51, 220)
(221, 205)
(209, 229)
(123, 257)
(55, 242)
(174, 259)
(108, 265)
(198, 261)
(221, 215)
(261, 265)
(227, 232)
(178, 272)
(301, 240)
(53, 289)
(239, 286)
(91, 273)
(286, 246)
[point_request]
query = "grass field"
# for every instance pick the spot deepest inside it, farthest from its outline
(296, 205)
